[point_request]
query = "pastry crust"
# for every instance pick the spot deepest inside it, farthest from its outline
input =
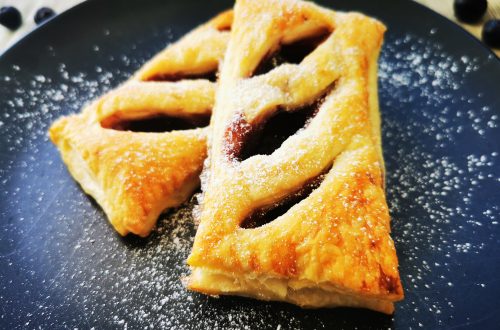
(134, 176)
(332, 248)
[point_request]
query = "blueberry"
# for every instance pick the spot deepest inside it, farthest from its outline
(43, 14)
(470, 11)
(491, 33)
(10, 17)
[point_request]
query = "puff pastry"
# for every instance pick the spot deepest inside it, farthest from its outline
(134, 176)
(331, 246)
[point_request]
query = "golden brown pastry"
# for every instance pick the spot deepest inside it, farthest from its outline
(308, 222)
(135, 175)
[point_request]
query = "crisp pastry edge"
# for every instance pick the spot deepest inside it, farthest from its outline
(299, 292)
(82, 174)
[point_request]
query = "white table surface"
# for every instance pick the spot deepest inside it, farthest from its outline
(28, 9)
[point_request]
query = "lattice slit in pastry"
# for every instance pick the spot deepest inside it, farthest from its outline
(157, 123)
(293, 52)
(262, 137)
(140, 148)
(266, 214)
(177, 76)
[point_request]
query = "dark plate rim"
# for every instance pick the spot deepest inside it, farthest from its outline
(457, 27)
(39, 29)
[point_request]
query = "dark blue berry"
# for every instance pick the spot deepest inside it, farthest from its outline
(491, 33)
(10, 17)
(43, 14)
(470, 11)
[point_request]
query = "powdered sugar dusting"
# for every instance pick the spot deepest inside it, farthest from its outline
(435, 175)
(73, 266)
(79, 260)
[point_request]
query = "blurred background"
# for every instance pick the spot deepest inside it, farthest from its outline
(30, 8)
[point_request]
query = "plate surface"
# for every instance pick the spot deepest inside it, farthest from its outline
(63, 266)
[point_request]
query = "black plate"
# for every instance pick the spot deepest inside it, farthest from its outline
(63, 266)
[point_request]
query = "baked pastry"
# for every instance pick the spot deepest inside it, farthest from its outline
(297, 212)
(127, 149)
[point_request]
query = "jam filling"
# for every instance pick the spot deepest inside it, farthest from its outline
(271, 133)
(157, 123)
(244, 140)
(224, 28)
(292, 53)
(267, 214)
(235, 137)
(174, 77)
